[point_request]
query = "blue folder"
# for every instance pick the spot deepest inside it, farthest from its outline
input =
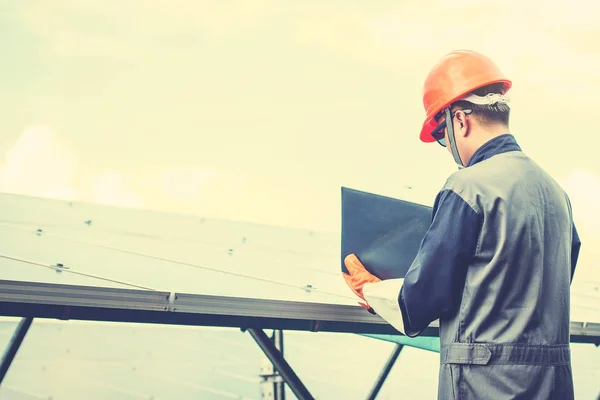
(385, 233)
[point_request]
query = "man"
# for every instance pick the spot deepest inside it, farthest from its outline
(496, 264)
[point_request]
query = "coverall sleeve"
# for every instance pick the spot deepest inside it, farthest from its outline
(576, 245)
(433, 284)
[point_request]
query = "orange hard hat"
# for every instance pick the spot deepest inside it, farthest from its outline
(454, 76)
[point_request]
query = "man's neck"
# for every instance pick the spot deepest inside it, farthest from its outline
(484, 135)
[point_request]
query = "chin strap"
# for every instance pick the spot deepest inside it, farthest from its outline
(450, 127)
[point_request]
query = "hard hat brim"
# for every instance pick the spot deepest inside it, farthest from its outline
(430, 124)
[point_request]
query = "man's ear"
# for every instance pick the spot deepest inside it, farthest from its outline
(462, 125)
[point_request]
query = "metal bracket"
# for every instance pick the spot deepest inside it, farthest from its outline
(171, 299)
(273, 385)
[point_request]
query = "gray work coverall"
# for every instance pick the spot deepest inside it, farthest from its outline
(495, 267)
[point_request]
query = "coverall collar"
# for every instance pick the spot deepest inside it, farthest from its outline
(498, 145)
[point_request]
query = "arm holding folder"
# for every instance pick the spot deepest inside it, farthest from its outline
(428, 286)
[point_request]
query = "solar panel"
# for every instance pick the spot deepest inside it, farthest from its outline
(60, 242)
(135, 259)
(54, 242)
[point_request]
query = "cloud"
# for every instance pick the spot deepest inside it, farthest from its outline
(401, 37)
(194, 190)
(183, 74)
(114, 188)
(40, 164)
(186, 184)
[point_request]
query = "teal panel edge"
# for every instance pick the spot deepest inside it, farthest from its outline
(425, 343)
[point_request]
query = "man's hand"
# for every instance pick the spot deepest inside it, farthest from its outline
(357, 277)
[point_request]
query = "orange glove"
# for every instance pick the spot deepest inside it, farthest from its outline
(357, 277)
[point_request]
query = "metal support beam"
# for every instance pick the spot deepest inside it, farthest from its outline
(74, 302)
(385, 372)
(277, 340)
(284, 369)
(14, 345)
(88, 303)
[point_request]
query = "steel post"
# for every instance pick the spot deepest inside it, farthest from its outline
(13, 346)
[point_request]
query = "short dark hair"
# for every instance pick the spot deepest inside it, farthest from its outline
(488, 114)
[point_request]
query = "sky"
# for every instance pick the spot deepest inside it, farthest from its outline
(260, 110)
